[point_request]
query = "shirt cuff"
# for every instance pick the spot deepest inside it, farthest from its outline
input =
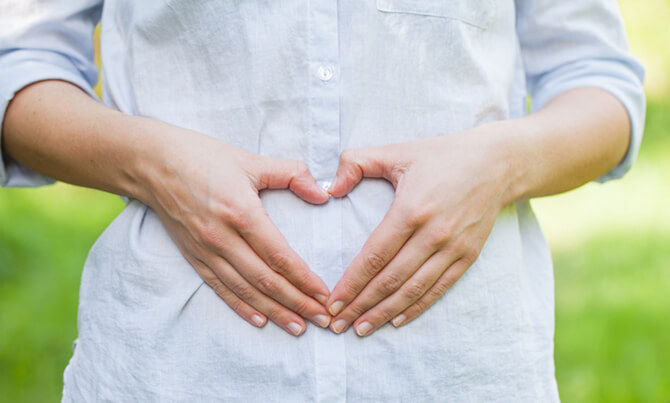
(19, 69)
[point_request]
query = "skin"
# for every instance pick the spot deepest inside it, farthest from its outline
(449, 191)
(204, 190)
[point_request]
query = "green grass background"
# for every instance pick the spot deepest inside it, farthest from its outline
(611, 247)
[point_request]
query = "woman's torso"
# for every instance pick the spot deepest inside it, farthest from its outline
(305, 80)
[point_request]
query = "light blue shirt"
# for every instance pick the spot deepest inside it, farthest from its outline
(305, 80)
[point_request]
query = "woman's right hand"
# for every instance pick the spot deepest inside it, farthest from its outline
(206, 193)
(204, 190)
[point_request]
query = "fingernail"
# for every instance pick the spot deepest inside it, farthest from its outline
(321, 320)
(339, 326)
(336, 307)
(258, 320)
(325, 185)
(321, 298)
(332, 185)
(399, 320)
(363, 329)
(294, 328)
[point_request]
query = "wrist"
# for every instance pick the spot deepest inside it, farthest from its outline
(163, 155)
(508, 149)
(144, 156)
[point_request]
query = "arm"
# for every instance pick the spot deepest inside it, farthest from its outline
(589, 113)
(55, 129)
(579, 136)
(49, 126)
(450, 190)
(49, 40)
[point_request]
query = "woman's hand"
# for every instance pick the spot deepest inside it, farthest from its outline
(449, 191)
(206, 193)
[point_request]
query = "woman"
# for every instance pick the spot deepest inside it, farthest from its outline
(207, 104)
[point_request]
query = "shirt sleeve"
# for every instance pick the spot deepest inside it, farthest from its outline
(41, 40)
(581, 43)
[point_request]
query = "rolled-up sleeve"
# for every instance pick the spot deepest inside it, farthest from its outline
(581, 43)
(41, 40)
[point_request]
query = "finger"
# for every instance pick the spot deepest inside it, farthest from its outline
(246, 311)
(415, 253)
(382, 246)
(247, 263)
(278, 173)
(271, 246)
(357, 163)
(274, 311)
(411, 292)
(448, 279)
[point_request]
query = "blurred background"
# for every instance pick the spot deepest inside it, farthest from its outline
(611, 246)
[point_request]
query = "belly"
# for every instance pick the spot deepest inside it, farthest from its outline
(148, 325)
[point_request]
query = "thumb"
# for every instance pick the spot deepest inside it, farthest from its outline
(279, 173)
(357, 163)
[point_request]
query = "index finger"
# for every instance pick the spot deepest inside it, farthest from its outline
(380, 248)
(268, 242)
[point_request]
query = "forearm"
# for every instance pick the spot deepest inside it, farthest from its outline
(205, 191)
(56, 129)
(449, 192)
(577, 137)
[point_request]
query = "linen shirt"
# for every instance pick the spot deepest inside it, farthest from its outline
(306, 79)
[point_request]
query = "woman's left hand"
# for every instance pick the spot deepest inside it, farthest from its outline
(449, 191)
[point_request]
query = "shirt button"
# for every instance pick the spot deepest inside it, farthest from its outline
(325, 73)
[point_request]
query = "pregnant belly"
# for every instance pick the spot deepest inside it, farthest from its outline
(149, 326)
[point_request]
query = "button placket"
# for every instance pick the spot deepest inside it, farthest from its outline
(324, 148)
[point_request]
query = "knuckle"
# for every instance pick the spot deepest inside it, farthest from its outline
(421, 305)
(356, 310)
(236, 305)
(373, 263)
(267, 284)
(244, 292)
(234, 215)
(302, 279)
(471, 255)
(207, 275)
(275, 313)
(389, 284)
(219, 289)
(241, 220)
(386, 315)
(280, 262)
(226, 212)
(301, 307)
(439, 236)
(415, 290)
(416, 216)
(209, 235)
(439, 289)
(398, 170)
(467, 251)
(458, 245)
(351, 287)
